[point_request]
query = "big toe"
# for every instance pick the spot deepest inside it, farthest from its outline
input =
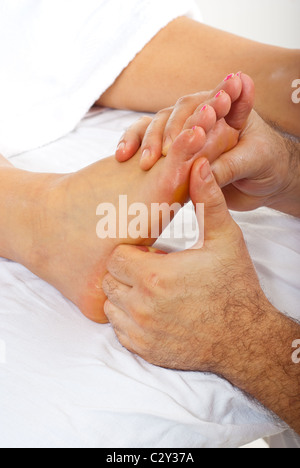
(242, 108)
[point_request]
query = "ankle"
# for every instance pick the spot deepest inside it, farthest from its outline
(22, 207)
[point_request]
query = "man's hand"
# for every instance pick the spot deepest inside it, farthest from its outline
(155, 136)
(204, 310)
(262, 170)
(180, 310)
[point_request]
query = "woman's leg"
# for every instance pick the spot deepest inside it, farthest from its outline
(187, 57)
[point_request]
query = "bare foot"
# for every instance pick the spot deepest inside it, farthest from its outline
(58, 236)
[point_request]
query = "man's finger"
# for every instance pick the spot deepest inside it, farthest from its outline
(235, 165)
(126, 263)
(152, 141)
(132, 139)
(116, 292)
(205, 190)
(184, 108)
(122, 325)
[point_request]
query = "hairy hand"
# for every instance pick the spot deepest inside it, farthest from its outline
(262, 170)
(187, 310)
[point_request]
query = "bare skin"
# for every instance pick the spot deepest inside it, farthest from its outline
(220, 321)
(187, 56)
(155, 136)
(53, 230)
(204, 310)
(262, 170)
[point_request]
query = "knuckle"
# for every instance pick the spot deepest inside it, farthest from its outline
(117, 260)
(185, 101)
(118, 254)
(233, 168)
(151, 133)
(163, 113)
(174, 124)
(150, 282)
(142, 316)
(110, 286)
(145, 120)
(142, 121)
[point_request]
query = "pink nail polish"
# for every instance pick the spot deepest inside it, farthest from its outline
(219, 94)
(203, 108)
(229, 77)
(239, 74)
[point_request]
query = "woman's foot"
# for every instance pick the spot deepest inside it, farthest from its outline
(53, 232)
(68, 252)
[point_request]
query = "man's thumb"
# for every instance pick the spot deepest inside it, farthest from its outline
(205, 190)
(234, 165)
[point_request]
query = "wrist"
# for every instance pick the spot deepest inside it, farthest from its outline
(259, 360)
(247, 321)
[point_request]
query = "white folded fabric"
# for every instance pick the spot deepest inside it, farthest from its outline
(58, 57)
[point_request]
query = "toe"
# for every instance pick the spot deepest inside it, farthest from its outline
(215, 109)
(232, 85)
(242, 108)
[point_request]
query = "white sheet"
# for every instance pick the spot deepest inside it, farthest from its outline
(67, 382)
(58, 57)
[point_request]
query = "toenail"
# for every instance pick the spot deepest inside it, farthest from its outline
(229, 77)
(239, 74)
(203, 108)
(219, 94)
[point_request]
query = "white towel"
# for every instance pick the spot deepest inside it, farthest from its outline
(58, 57)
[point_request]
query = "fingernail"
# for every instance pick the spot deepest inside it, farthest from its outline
(205, 172)
(168, 142)
(142, 248)
(150, 250)
(167, 145)
(219, 94)
(121, 146)
(146, 154)
(229, 77)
